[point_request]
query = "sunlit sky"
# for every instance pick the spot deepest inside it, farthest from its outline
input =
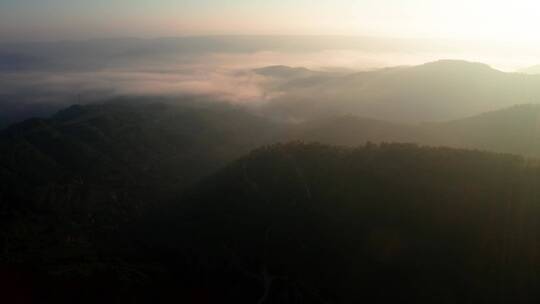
(489, 20)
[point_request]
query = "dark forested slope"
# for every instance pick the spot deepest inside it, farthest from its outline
(393, 222)
(107, 201)
(90, 169)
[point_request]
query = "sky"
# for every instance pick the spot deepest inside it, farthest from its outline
(486, 20)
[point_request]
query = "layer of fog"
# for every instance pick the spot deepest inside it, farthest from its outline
(225, 75)
(50, 76)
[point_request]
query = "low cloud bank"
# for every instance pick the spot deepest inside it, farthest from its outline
(121, 69)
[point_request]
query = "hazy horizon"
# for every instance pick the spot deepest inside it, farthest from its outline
(59, 50)
(359, 52)
(62, 19)
(496, 33)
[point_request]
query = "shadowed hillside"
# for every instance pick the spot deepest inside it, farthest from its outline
(108, 199)
(89, 170)
(388, 223)
(511, 130)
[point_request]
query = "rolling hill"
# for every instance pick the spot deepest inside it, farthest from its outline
(88, 170)
(378, 222)
(510, 130)
(533, 70)
(111, 197)
(437, 91)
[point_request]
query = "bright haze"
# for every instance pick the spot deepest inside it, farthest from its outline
(460, 19)
(506, 29)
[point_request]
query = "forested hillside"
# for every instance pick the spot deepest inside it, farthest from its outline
(511, 130)
(89, 170)
(309, 223)
(123, 201)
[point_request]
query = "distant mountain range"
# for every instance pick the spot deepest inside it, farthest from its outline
(130, 52)
(433, 92)
(438, 91)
